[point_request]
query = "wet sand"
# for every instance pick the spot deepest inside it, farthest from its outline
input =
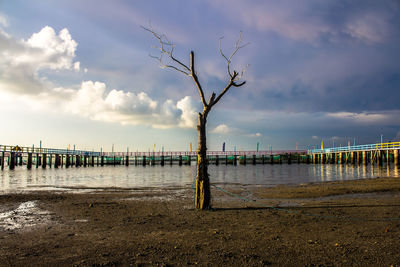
(352, 223)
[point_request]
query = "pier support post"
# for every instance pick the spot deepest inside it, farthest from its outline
(144, 160)
(92, 161)
(271, 159)
(136, 162)
(12, 161)
(380, 158)
(44, 161)
(216, 160)
(127, 161)
(114, 161)
(244, 160)
(289, 160)
(37, 161)
(153, 160)
(56, 161)
(189, 160)
(234, 160)
(180, 160)
(67, 161)
(333, 158)
(263, 159)
(226, 159)
(162, 160)
(396, 156)
(254, 160)
(29, 162)
(50, 160)
(171, 160)
(102, 161)
(2, 160)
(364, 157)
(388, 157)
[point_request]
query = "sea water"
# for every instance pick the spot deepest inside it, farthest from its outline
(139, 177)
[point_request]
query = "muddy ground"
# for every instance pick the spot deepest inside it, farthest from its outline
(354, 223)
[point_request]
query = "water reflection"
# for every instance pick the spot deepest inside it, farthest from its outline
(168, 176)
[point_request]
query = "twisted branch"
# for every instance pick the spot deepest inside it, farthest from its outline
(238, 45)
(166, 48)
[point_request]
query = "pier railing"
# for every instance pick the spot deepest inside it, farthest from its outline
(378, 146)
(34, 150)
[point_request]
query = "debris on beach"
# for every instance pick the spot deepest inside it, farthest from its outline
(25, 216)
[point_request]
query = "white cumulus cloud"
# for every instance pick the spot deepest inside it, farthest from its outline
(21, 61)
(20, 65)
(222, 129)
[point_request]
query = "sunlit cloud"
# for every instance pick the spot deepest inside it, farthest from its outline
(22, 61)
(222, 129)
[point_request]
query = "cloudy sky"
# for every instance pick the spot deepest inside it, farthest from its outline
(79, 72)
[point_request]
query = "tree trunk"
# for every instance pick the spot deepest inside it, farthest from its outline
(203, 192)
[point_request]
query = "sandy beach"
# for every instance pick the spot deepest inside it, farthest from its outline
(352, 223)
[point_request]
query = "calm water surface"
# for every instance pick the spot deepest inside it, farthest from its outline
(133, 177)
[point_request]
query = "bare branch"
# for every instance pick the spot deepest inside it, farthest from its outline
(167, 48)
(210, 102)
(196, 80)
(227, 87)
(238, 45)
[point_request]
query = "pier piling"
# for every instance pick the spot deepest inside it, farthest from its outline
(2, 160)
(396, 157)
(29, 162)
(12, 161)
(44, 163)
(56, 161)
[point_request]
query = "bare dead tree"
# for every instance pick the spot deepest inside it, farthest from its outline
(167, 59)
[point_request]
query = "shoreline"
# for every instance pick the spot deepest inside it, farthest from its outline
(161, 228)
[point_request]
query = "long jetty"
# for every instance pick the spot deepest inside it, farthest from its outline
(360, 154)
(13, 156)
(379, 154)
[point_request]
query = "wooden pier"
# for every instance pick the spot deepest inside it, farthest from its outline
(381, 153)
(13, 156)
